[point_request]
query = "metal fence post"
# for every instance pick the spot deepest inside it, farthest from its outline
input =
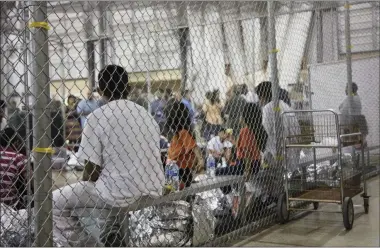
(319, 28)
(2, 67)
(62, 75)
(183, 32)
(102, 30)
(347, 34)
(90, 46)
(42, 169)
(27, 124)
(274, 77)
(3, 57)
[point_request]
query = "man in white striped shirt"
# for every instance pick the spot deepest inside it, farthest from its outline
(12, 168)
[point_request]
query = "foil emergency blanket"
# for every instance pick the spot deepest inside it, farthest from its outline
(14, 230)
(171, 224)
(163, 225)
(330, 174)
(14, 227)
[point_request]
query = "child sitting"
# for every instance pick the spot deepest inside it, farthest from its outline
(219, 145)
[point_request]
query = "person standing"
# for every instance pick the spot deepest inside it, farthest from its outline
(120, 150)
(284, 96)
(86, 107)
(72, 103)
(291, 126)
(157, 110)
(233, 111)
(57, 124)
(251, 141)
(351, 118)
(73, 127)
(140, 98)
(213, 113)
(356, 104)
(183, 146)
(185, 98)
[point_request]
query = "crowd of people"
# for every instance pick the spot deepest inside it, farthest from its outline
(121, 142)
(234, 130)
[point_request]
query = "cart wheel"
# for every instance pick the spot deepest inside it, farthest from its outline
(282, 210)
(366, 205)
(348, 213)
(315, 205)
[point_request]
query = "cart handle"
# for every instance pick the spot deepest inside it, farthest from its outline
(350, 134)
(311, 111)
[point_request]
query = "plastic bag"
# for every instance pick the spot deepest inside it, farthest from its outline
(204, 223)
(14, 227)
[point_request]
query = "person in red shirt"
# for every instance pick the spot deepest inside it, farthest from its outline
(12, 168)
(252, 139)
(183, 147)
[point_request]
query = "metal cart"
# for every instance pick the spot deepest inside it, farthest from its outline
(340, 187)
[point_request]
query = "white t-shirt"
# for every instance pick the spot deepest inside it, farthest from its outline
(215, 144)
(356, 107)
(290, 126)
(123, 139)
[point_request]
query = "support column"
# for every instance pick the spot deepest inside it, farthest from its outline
(42, 168)
(2, 67)
(103, 32)
(183, 33)
(263, 64)
(347, 34)
(27, 55)
(319, 35)
(90, 46)
(375, 35)
(274, 77)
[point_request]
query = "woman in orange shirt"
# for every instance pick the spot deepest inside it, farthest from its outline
(252, 139)
(183, 147)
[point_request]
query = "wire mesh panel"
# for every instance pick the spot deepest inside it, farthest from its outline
(158, 123)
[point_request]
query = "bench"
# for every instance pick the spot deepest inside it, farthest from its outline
(122, 213)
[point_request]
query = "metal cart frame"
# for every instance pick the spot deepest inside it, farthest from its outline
(341, 195)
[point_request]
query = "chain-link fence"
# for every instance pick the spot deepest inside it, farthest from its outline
(195, 156)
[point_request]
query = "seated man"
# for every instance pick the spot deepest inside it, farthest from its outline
(120, 148)
(218, 144)
(12, 169)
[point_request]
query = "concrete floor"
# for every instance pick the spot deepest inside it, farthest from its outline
(326, 229)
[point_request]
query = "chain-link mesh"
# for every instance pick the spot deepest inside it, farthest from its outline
(197, 151)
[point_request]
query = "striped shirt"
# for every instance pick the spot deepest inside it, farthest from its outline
(12, 164)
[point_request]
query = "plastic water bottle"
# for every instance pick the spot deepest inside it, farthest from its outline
(172, 176)
(175, 175)
(211, 166)
(168, 174)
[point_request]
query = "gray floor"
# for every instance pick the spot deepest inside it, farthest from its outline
(326, 229)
